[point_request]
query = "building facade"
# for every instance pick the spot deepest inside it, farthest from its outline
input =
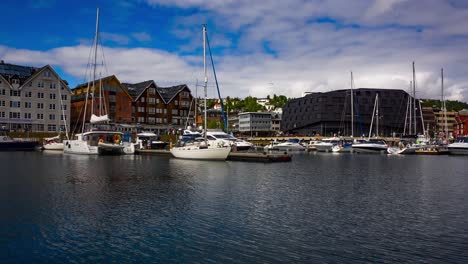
(255, 123)
(329, 113)
(116, 102)
(33, 99)
(442, 119)
(161, 109)
(460, 128)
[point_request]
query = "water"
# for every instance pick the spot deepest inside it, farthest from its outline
(319, 208)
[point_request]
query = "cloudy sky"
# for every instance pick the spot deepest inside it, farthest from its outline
(259, 47)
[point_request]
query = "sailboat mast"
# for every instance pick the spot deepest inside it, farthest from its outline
(352, 106)
(406, 115)
(196, 104)
(444, 106)
(95, 59)
(64, 119)
(373, 113)
(377, 114)
(414, 98)
(205, 77)
(411, 108)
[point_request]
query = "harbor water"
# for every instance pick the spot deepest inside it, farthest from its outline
(319, 208)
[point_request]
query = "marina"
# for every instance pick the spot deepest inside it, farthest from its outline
(320, 207)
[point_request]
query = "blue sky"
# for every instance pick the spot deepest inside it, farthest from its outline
(260, 47)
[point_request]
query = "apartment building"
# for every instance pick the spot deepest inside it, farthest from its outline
(33, 99)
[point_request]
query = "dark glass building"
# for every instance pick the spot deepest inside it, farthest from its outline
(329, 113)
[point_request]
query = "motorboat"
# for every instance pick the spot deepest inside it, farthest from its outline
(235, 143)
(459, 147)
(52, 143)
(370, 146)
(292, 144)
(343, 146)
(312, 143)
(326, 144)
(9, 144)
(149, 140)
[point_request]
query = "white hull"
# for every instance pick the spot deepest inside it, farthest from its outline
(53, 146)
(324, 147)
(289, 147)
(458, 148)
(369, 148)
(79, 147)
(194, 152)
(129, 148)
(339, 149)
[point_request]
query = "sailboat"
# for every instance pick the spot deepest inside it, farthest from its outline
(55, 143)
(346, 145)
(99, 141)
(199, 148)
(372, 145)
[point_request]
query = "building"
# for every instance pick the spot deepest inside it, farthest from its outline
(265, 102)
(329, 113)
(33, 99)
(276, 122)
(429, 120)
(460, 128)
(161, 109)
(441, 120)
(116, 102)
(256, 123)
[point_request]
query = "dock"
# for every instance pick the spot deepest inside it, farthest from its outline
(259, 157)
(233, 156)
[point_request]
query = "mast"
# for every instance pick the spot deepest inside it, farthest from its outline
(422, 119)
(373, 113)
(196, 104)
(96, 35)
(414, 98)
(63, 110)
(205, 77)
(444, 106)
(352, 106)
(406, 115)
(377, 114)
(411, 108)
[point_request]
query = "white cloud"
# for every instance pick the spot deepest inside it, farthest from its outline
(142, 36)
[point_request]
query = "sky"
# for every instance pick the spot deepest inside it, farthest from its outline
(259, 48)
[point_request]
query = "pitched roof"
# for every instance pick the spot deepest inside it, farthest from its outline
(12, 71)
(135, 89)
(168, 93)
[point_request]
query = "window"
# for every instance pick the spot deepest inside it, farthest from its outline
(152, 91)
(52, 86)
(2, 92)
(27, 115)
(51, 128)
(47, 74)
(159, 120)
(40, 127)
(175, 121)
(15, 115)
(165, 111)
(151, 100)
(151, 110)
(63, 117)
(157, 100)
(64, 97)
(40, 105)
(175, 111)
(15, 81)
(63, 107)
(15, 104)
(40, 95)
(27, 105)
(52, 117)
(52, 96)
(142, 99)
(2, 114)
(28, 94)
(176, 102)
(151, 120)
(2, 103)
(40, 116)
(51, 106)
(15, 93)
(141, 109)
(141, 119)
(40, 84)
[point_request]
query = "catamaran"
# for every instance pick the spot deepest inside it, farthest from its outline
(97, 140)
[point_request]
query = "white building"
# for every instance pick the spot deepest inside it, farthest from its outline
(256, 123)
(31, 99)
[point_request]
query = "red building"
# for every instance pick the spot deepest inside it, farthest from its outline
(460, 128)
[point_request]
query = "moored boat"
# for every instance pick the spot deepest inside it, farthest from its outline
(459, 147)
(9, 144)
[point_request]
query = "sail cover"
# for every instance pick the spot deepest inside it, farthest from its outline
(99, 119)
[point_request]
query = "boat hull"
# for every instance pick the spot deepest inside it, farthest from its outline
(324, 147)
(79, 147)
(53, 146)
(18, 146)
(195, 153)
(369, 148)
(458, 150)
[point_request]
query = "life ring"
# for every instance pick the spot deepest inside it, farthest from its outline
(117, 139)
(101, 140)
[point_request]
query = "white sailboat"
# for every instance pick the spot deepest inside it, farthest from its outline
(372, 145)
(200, 149)
(346, 145)
(96, 141)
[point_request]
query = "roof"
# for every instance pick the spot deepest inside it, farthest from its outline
(168, 93)
(135, 89)
(17, 70)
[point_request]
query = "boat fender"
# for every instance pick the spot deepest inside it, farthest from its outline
(101, 140)
(117, 139)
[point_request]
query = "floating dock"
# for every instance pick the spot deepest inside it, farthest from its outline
(259, 157)
(234, 156)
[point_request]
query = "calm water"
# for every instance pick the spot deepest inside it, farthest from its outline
(319, 208)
